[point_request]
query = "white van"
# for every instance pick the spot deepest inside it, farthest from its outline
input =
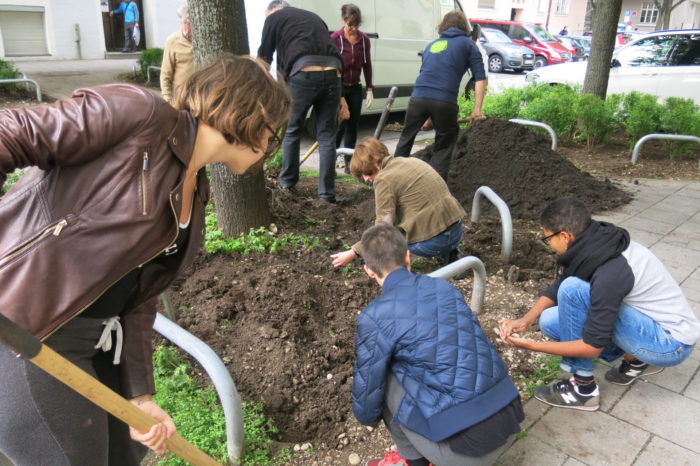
(399, 31)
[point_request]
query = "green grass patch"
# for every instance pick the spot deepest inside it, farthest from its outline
(199, 418)
(12, 179)
(545, 371)
(256, 240)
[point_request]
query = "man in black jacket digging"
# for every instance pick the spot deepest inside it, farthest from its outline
(613, 299)
(309, 61)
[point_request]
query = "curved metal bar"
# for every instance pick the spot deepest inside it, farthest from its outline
(461, 265)
(344, 151)
(539, 124)
(148, 72)
(672, 137)
(507, 230)
(228, 395)
(25, 80)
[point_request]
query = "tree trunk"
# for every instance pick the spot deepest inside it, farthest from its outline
(241, 201)
(605, 16)
(665, 8)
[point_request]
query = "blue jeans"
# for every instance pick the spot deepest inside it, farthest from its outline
(320, 89)
(439, 245)
(635, 333)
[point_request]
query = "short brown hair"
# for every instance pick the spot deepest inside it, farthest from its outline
(383, 248)
(351, 14)
(237, 96)
(368, 154)
(454, 19)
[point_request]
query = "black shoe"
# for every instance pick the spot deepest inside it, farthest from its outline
(627, 373)
(565, 394)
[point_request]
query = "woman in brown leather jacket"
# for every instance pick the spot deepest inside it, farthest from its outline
(110, 212)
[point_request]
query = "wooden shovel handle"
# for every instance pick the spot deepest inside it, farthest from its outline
(18, 340)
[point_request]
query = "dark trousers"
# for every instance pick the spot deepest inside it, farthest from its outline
(444, 116)
(129, 44)
(43, 422)
(348, 128)
(320, 90)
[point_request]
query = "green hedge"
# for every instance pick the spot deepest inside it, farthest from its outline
(149, 57)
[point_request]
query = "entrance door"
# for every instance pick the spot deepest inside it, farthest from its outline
(114, 26)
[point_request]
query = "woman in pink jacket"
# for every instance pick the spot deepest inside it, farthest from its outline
(354, 48)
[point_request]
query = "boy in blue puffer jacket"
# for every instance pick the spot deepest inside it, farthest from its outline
(424, 365)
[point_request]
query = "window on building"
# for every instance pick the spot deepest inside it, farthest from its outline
(487, 3)
(562, 7)
(649, 13)
(542, 6)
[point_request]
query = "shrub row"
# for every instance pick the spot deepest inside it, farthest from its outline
(589, 119)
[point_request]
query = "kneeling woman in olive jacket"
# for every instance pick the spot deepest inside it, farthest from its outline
(109, 214)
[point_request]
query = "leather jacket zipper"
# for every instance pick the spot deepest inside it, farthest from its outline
(53, 229)
(144, 169)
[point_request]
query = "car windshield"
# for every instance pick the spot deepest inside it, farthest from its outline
(542, 34)
(494, 35)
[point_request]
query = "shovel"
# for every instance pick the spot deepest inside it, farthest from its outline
(33, 350)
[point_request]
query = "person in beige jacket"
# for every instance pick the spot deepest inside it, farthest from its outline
(178, 57)
(411, 195)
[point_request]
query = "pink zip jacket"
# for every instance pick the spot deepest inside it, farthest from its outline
(356, 58)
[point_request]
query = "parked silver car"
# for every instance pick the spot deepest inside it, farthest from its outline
(504, 53)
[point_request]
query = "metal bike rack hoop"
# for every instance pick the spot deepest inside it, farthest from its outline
(504, 212)
(672, 137)
(539, 124)
(148, 72)
(25, 80)
(212, 364)
(461, 265)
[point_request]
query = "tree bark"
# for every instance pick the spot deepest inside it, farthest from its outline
(605, 16)
(665, 8)
(241, 201)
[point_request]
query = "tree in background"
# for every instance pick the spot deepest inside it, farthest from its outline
(241, 200)
(605, 16)
(665, 8)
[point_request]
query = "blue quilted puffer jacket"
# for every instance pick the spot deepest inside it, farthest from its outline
(421, 329)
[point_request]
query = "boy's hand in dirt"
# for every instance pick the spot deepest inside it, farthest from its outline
(156, 437)
(517, 341)
(507, 327)
(342, 259)
(475, 117)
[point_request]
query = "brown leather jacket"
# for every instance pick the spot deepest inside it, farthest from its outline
(103, 197)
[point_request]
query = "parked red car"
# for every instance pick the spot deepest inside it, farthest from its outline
(546, 48)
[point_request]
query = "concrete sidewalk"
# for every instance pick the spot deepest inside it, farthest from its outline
(650, 422)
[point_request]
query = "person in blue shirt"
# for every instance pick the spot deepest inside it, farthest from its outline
(445, 60)
(424, 366)
(131, 21)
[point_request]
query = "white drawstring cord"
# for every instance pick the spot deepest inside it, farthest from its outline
(105, 342)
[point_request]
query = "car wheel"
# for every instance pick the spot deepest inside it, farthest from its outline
(540, 61)
(495, 63)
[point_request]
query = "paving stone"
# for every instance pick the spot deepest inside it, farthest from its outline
(616, 219)
(664, 215)
(573, 462)
(686, 235)
(696, 274)
(693, 390)
(645, 238)
(675, 378)
(680, 203)
(534, 410)
(691, 190)
(593, 438)
(680, 271)
(662, 412)
(692, 283)
(609, 392)
(530, 451)
(643, 224)
(660, 451)
(690, 293)
(696, 307)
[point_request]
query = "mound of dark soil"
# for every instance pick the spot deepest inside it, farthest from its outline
(519, 165)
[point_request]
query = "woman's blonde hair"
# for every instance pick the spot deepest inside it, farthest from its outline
(368, 155)
(237, 96)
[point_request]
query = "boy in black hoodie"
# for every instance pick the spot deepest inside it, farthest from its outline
(613, 298)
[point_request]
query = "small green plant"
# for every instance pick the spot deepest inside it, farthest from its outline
(594, 120)
(643, 115)
(256, 240)
(680, 116)
(199, 418)
(614, 103)
(553, 107)
(545, 371)
(505, 105)
(521, 435)
(12, 179)
(8, 71)
(149, 57)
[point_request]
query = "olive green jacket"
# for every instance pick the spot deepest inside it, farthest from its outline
(416, 197)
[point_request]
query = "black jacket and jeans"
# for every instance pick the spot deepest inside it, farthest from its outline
(301, 39)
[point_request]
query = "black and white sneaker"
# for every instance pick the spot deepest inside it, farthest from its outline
(566, 394)
(628, 372)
